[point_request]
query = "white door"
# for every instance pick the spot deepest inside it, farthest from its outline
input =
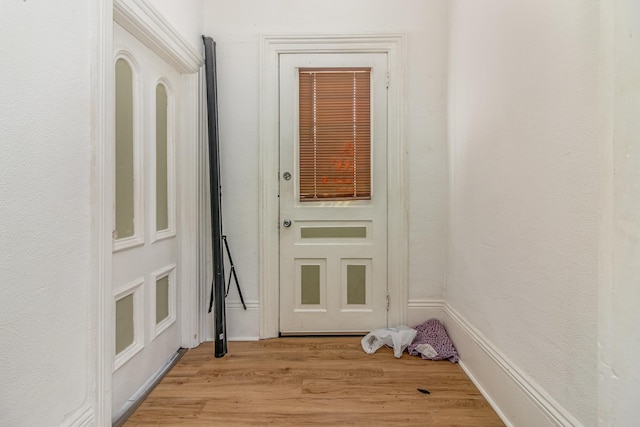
(333, 244)
(145, 256)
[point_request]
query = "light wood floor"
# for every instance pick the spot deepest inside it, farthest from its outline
(317, 381)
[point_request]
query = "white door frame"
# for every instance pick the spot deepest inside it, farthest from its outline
(270, 50)
(140, 19)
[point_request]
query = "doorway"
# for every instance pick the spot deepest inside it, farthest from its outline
(305, 283)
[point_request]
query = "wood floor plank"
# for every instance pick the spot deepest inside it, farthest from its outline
(312, 381)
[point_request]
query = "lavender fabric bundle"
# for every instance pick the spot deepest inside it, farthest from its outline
(432, 342)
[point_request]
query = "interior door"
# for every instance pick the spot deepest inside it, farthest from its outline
(333, 246)
(145, 255)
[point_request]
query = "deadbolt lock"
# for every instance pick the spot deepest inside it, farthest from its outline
(286, 223)
(286, 176)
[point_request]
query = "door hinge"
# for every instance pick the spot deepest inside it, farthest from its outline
(387, 80)
(388, 301)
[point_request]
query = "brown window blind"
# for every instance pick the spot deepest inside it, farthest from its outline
(335, 134)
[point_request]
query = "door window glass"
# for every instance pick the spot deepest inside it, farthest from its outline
(335, 133)
(124, 156)
(162, 188)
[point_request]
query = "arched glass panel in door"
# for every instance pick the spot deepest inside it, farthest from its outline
(162, 158)
(124, 152)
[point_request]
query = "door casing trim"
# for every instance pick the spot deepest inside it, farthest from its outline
(271, 47)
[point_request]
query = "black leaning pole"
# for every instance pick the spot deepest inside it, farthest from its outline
(218, 284)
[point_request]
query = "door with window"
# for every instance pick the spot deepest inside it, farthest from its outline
(145, 253)
(333, 193)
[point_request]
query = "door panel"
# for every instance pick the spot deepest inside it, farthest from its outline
(333, 253)
(145, 257)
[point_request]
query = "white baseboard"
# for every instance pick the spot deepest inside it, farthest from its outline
(83, 417)
(243, 325)
(516, 397)
(138, 397)
(421, 310)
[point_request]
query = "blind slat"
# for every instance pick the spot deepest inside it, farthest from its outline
(335, 134)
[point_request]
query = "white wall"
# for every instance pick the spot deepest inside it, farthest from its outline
(620, 314)
(45, 176)
(523, 254)
(525, 157)
(236, 26)
(47, 374)
(185, 16)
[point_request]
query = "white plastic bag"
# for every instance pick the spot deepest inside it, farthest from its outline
(399, 338)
